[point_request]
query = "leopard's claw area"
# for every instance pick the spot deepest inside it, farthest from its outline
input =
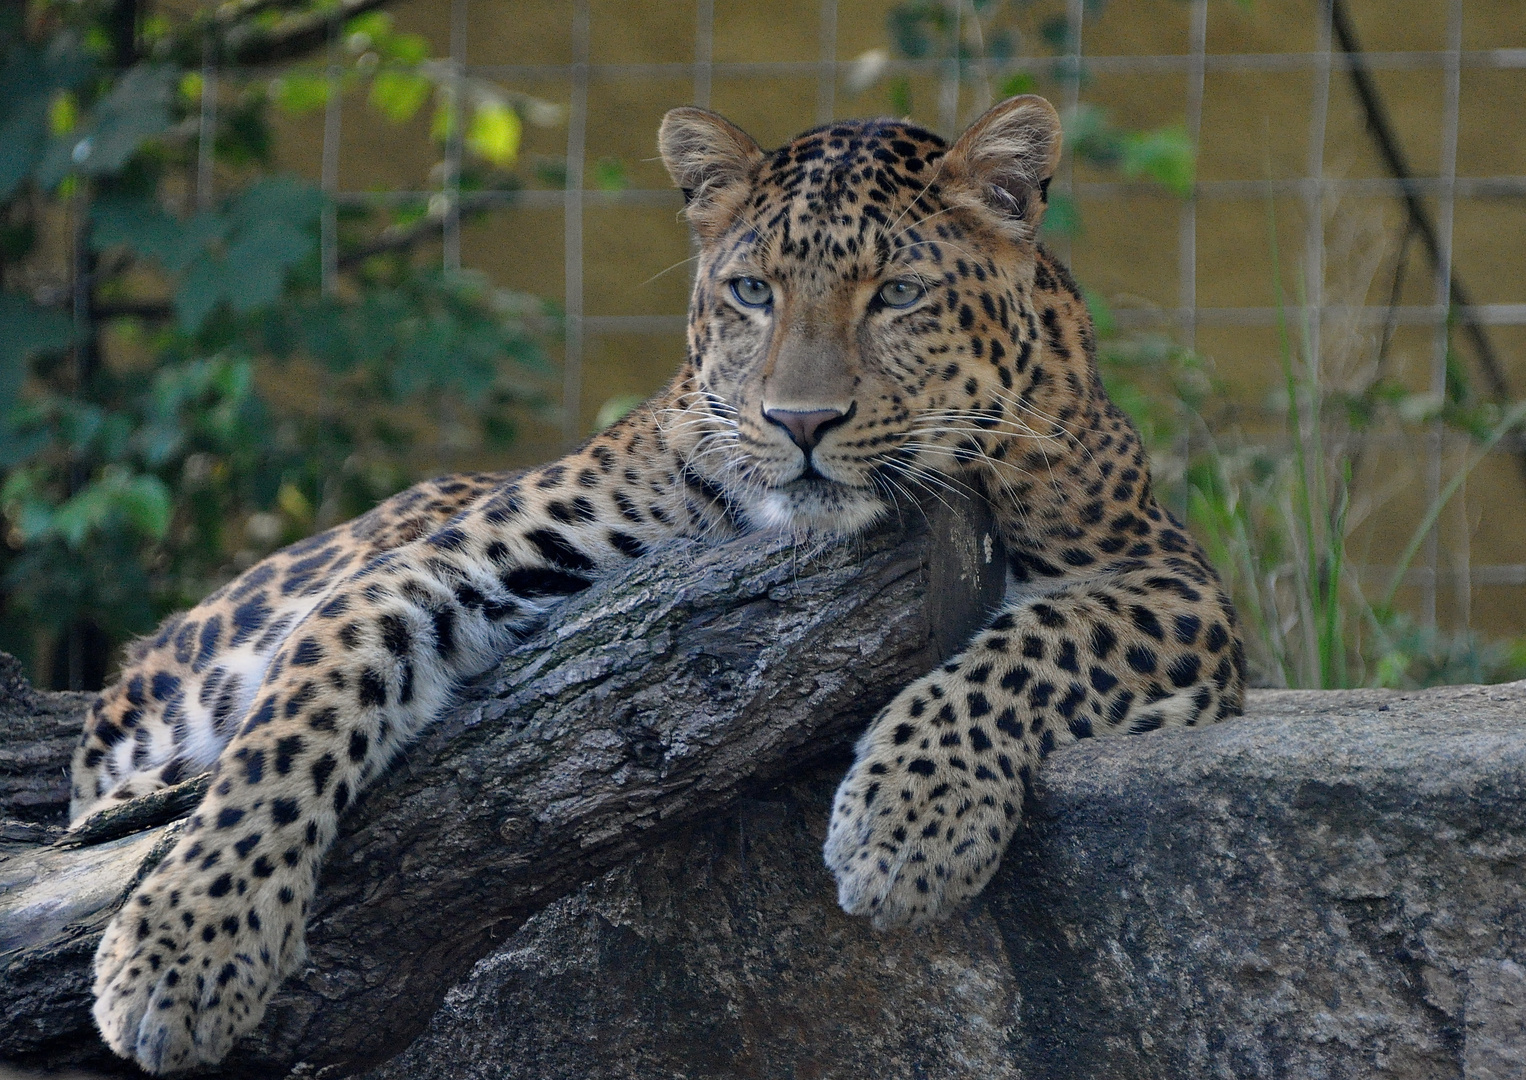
(181, 972)
(908, 846)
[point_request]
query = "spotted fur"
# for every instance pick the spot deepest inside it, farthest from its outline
(914, 337)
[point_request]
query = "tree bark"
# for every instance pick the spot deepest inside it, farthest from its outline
(649, 702)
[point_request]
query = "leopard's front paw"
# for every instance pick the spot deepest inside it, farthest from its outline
(920, 821)
(189, 963)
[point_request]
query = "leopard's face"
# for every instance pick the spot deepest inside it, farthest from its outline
(860, 310)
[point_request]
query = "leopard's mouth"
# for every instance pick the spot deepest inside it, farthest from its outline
(816, 504)
(823, 477)
(813, 482)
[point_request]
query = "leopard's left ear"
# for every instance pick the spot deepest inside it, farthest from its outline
(1006, 160)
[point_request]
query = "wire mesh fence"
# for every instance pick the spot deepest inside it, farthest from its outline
(1299, 130)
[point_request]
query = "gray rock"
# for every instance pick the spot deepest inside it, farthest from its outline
(1332, 887)
(720, 954)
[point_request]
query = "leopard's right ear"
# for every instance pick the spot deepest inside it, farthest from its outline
(1005, 160)
(709, 159)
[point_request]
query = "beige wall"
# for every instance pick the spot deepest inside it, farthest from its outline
(1255, 126)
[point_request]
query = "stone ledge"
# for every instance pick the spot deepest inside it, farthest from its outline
(1332, 886)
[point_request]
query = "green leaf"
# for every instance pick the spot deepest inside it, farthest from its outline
(205, 286)
(1055, 31)
(371, 25)
(140, 500)
(552, 172)
(615, 408)
(1019, 82)
(399, 95)
(1091, 136)
(30, 81)
(1166, 156)
(268, 229)
(78, 517)
(404, 48)
(1101, 313)
(191, 87)
(278, 198)
(494, 133)
(274, 222)
(25, 329)
(136, 109)
(18, 487)
(1062, 217)
(22, 137)
(610, 175)
(908, 32)
(146, 229)
(63, 113)
(299, 92)
(145, 503)
(260, 256)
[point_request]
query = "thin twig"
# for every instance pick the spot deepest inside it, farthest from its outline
(1383, 133)
(292, 35)
(396, 238)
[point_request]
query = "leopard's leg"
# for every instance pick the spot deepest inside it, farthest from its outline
(184, 690)
(191, 961)
(921, 820)
(141, 783)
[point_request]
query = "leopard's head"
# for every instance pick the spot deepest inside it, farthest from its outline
(862, 303)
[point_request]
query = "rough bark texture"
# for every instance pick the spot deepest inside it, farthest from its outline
(38, 733)
(649, 702)
(1333, 886)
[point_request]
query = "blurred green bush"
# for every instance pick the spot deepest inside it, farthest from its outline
(183, 387)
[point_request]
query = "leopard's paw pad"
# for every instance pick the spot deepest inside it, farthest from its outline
(187, 966)
(911, 838)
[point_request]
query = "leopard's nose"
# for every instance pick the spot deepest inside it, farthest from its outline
(805, 428)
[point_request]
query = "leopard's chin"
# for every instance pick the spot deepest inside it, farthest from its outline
(814, 506)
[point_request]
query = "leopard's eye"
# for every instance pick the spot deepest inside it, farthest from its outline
(900, 293)
(751, 292)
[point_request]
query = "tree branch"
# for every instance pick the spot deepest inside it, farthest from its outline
(649, 702)
(1381, 127)
(247, 42)
(394, 238)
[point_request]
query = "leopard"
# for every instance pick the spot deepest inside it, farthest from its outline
(873, 315)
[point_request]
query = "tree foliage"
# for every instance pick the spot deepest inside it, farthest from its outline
(182, 386)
